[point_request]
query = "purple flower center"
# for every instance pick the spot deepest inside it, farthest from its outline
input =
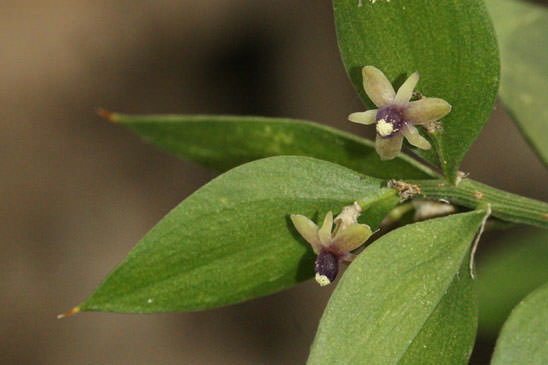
(389, 121)
(327, 264)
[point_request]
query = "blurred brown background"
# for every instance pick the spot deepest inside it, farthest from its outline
(76, 192)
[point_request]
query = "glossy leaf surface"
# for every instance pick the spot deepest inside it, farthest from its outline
(232, 240)
(522, 31)
(401, 295)
(224, 142)
(450, 43)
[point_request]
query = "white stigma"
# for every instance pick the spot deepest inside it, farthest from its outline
(384, 128)
(322, 279)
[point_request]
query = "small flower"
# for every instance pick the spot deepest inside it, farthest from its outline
(397, 116)
(332, 247)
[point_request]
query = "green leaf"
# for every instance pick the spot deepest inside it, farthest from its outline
(232, 240)
(406, 298)
(522, 30)
(517, 264)
(447, 337)
(224, 142)
(451, 43)
(524, 336)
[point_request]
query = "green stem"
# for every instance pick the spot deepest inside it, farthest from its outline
(472, 194)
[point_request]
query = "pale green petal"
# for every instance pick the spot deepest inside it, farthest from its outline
(351, 238)
(426, 110)
(367, 117)
(377, 86)
(412, 134)
(307, 229)
(325, 232)
(388, 148)
(406, 90)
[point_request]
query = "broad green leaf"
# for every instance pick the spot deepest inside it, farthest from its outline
(524, 337)
(232, 240)
(402, 296)
(224, 142)
(522, 31)
(517, 265)
(447, 337)
(450, 43)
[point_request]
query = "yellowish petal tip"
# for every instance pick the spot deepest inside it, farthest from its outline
(69, 313)
(368, 70)
(103, 113)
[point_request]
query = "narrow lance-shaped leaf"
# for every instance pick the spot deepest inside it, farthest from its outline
(517, 265)
(224, 142)
(450, 43)
(232, 240)
(524, 336)
(401, 295)
(522, 31)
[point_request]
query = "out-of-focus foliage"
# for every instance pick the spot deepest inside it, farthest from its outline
(522, 32)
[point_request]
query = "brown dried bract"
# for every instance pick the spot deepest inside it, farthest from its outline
(418, 95)
(433, 127)
(461, 175)
(478, 195)
(405, 190)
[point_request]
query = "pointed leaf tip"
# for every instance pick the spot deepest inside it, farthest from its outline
(103, 113)
(74, 310)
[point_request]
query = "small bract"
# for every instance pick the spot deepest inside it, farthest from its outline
(332, 247)
(397, 115)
